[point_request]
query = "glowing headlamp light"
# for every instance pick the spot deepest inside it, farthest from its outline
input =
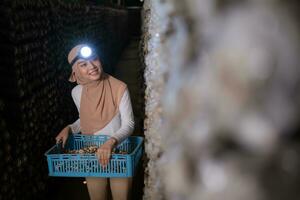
(85, 53)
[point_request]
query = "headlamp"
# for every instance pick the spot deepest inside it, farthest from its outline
(85, 53)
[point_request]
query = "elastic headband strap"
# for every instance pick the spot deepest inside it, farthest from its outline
(74, 60)
(93, 56)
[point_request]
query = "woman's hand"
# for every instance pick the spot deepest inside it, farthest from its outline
(104, 151)
(63, 136)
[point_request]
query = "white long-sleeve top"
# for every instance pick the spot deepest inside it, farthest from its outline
(120, 127)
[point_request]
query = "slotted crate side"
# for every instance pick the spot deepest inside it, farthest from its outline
(83, 165)
(87, 167)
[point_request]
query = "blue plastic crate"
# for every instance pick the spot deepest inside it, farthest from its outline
(87, 165)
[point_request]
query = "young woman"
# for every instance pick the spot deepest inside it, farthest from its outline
(104, 107)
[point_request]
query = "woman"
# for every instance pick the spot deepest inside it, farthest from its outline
(104, 107)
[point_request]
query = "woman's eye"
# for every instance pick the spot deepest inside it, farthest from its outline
(83, 65)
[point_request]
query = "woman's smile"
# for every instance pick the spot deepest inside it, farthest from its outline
(94, 72)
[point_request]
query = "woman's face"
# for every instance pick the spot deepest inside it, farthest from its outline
(91, 69)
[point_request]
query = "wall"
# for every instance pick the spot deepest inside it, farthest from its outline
(222, 99)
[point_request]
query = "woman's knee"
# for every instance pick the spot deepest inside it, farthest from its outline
(120, 188)
(97, 188)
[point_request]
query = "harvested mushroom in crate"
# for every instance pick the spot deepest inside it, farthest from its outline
(91, 150)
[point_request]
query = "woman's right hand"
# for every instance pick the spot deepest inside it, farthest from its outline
(63, 136)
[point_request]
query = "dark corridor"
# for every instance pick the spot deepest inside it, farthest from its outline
(36, 102)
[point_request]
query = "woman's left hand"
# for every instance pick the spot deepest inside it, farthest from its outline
(104, 151)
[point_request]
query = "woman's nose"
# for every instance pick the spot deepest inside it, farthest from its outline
(92, 65)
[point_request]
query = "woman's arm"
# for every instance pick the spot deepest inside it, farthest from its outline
(63, 136)
(71, 128)
(127, 118)
(75, 127)
(127, 126)
(76, 94)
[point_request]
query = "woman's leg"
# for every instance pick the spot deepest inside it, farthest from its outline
(120, 188)
(97, 188)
